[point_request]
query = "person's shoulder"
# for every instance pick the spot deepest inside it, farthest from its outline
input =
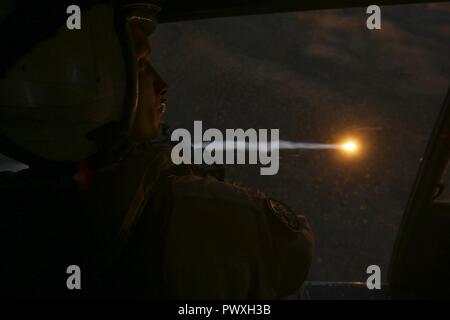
(219, 231)
(210, 197)
(210, 192)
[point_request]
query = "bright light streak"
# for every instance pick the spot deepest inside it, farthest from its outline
(348, 146)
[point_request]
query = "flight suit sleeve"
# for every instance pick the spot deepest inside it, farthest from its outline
(225, 242)
(293, 247)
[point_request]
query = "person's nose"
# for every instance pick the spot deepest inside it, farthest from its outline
(160, 86)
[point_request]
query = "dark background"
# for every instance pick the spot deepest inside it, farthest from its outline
(320, 76)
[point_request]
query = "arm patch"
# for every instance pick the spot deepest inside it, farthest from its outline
(285, 215)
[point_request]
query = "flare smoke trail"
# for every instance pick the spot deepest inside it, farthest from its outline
(306, 145)
(287, 145)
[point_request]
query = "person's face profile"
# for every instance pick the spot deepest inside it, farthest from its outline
(151, 89)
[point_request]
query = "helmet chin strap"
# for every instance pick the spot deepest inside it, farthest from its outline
(144, 15)
(112, 139)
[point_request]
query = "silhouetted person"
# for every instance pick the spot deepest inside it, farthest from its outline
(102, 193)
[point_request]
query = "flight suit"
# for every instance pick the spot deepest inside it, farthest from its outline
(144, 228)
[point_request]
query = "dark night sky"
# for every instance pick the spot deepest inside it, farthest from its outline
(319, 76)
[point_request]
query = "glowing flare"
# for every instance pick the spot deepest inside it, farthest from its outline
(349, 146)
